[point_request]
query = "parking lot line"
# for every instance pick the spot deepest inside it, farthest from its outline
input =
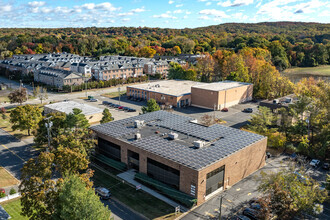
(12, 152)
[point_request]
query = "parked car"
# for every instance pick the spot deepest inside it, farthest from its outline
(241, 217)
(224, 110)
(131, 110)
(103, 192)
(301, 177)
(248, 110)
(105, 103)
(93, 100)
(255, 206)
(125, 108)
(251, 213)
(268, 155)
(314, 163)
(116, 106)
(121, 107)
(326, 166)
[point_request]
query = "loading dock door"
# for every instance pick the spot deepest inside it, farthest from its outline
(215, 180)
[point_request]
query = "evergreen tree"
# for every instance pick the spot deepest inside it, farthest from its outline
(151, 106)
(107, 117)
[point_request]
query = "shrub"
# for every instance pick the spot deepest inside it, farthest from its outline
(2, 193)
(12, 191)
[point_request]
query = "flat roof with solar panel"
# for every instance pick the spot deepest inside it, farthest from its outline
(156, 129)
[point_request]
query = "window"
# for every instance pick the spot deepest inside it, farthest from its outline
(163, 173)
(215, 180)
(109, 149)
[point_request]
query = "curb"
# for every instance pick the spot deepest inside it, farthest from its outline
(132, 210)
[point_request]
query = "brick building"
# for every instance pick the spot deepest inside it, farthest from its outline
(57, 77)
(197, 160)
(181, 93)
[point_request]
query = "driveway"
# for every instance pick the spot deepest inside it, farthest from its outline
(234, 198)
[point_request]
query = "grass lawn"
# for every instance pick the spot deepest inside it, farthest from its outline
(318, 71)
(114, 94)
(6, 179)
(139, 201)
(13, 208)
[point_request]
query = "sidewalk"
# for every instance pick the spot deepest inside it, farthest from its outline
(128, 176)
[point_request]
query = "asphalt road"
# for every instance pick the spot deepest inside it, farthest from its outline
(120, 211)
(14, 153)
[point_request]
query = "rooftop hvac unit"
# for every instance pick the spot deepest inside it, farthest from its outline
(138, 123)
(137, 136)
(173, 136)
(199, 144)
(194, 121)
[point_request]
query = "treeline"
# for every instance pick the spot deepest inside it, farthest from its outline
(290, 43)
(252, 65)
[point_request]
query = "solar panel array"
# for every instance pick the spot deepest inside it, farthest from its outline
(223, 140)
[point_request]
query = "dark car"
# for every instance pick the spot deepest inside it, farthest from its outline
(126, 108)
(251, 213)
(129, 97)
(326, 166)
(255, 206)
(116, 106)
(241, 217)
(106, 103)
(248, 110)
(131, 110)
(224, 110)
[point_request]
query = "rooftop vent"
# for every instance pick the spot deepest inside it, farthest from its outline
(173, 136)
(137, 136)
(199, 144)
(138, 123)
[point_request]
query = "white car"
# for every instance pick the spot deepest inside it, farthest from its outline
(103, 192)
(314, 163)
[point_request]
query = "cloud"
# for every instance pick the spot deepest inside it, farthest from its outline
(36, 4)
(214, 12)
(235, 3)
(178, 11)
(5, 8)
(203, 17)
(170, 2)
(125, 19)
(178, 6)
(208, 3)
(165, 15)
(138, 10)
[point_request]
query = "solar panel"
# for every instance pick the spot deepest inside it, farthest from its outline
(223, 140)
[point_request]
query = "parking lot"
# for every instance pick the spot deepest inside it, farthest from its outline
(234, 117)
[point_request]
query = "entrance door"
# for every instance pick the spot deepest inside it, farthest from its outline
(133, 160)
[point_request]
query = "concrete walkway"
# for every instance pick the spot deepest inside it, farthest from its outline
(128, 176)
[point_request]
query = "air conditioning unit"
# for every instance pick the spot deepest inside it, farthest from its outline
(173, 136)
(199, 144)
(138, 123)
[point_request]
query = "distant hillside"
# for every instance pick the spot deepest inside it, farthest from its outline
(303, 44)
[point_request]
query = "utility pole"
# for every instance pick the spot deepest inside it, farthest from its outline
(48, 126)
(119, 94)
(86, 87)
(220, 207)
(20, 85)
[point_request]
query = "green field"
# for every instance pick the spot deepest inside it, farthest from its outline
(137, 200)
(13, 208)
(312, 71)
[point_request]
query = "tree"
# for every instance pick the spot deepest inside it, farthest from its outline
(291, 193)
(76, 119)
(147, 52)
(41, 93)
(69, 155)
(151, 106)
(76, 201)
(176, 50)
(25, 117)
(107, 117)
(18, 96)
(261, 121)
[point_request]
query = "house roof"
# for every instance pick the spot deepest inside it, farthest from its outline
(3, 214)
(68, 106)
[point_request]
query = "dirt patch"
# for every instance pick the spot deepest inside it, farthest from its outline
(6, 179)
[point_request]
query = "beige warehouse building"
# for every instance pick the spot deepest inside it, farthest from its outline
(92, 114)
(180, 93)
